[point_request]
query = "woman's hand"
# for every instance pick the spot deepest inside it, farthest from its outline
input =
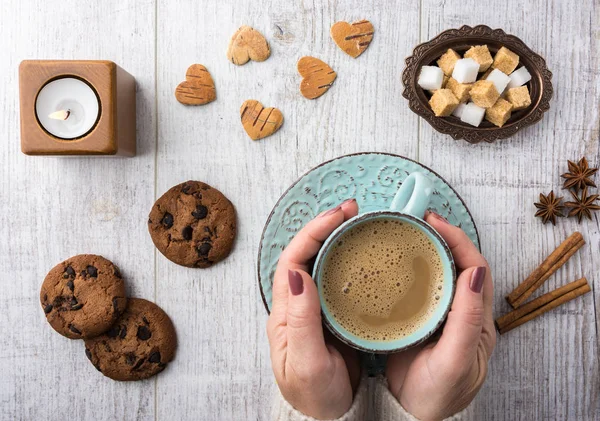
(316, 377)
(437, 380)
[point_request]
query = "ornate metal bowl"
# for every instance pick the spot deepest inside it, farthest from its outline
(540, 85)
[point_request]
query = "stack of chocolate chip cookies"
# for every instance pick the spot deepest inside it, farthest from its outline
(126, 339)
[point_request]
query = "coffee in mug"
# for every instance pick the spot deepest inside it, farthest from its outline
(383, 279)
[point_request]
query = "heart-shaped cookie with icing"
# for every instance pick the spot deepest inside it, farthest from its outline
(258, 121)
(353, 38)
(198, 88)
(247, 44)
(317, 77)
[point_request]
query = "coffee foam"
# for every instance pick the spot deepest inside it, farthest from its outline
(371, 268)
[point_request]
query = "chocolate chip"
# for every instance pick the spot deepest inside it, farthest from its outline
(117, 272)
(98, 367)
(123, 332)
(185, 189)
(71, 285)
(149, 220)
(88, 354)
(73, 301)
(187, 233)
(154, 357)
(84, 273)
(200, 212)
(106, 346)
(77, 307)
(74, 330)
(138, 364)
(203, 249)
(145, 320)
(113, 332)
(69, 272)
(115, 302)
(48, 308)
(92, 271)
(167, 220)
(130, 358)
(143, 333)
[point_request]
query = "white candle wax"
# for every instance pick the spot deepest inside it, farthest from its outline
(68, 94)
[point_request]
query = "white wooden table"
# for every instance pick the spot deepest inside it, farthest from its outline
(53, 208)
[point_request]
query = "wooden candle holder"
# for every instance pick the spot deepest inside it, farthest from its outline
(114, 131)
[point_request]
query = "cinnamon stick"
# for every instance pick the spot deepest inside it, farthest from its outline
(509, 318)
(548, 267)
(549, 273)
(571, 295)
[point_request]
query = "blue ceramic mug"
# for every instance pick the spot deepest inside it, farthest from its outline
(408, 206)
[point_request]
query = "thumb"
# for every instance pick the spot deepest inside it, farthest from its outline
(457, 346)
(304, 328)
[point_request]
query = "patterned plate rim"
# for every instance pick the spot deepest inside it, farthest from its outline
(260, 246)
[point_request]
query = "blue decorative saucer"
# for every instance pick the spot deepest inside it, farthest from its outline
(371, 178)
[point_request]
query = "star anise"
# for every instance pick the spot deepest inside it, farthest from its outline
(583, 205)
(549, 208)
(579, 175)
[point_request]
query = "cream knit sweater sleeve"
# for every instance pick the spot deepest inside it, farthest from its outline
(373, 402)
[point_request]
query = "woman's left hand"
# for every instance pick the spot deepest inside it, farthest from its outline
(435, 381)
(314, 374)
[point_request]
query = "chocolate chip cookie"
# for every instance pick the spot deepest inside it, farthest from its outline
(83, 296)
(138, 346)
(193, 225)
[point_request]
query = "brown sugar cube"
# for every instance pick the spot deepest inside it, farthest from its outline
(447, 61)
(505, 60)
(443, 102)
(481, 55)
(484, 93)
(460, 90)
(444, 82)
(519, 97)
(499, 113)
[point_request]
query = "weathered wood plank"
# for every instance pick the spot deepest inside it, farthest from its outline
(53, 208)
(546, 369)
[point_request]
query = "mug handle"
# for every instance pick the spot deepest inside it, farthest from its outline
(413, 196)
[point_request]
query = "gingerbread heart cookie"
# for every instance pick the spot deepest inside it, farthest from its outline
(198, 88)
(247, 44)
(258, 121)
(353, 38)
(317, 77)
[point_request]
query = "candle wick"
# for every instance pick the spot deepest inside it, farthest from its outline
(60, 115)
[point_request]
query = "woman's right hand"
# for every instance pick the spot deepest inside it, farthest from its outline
(315, 375)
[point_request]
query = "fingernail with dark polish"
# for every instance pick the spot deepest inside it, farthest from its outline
(295, 281)
(477, 279)
(332, 211)
(440, 217)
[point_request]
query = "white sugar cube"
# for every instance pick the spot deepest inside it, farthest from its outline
(459, 110)
(472, 114)
(519, 77)
(465, 70)
(431, 78)
(499, 79)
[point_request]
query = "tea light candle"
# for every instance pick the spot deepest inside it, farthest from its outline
(67, 108)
